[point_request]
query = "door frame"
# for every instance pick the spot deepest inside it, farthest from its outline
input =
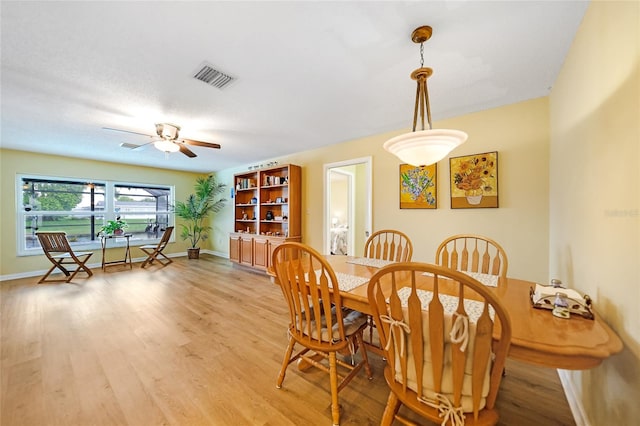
(367, 161)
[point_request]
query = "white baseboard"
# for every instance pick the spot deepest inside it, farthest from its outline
(41, 272)
(575, 404)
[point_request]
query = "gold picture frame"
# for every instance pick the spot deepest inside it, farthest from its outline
(418, 187)
(474, 181)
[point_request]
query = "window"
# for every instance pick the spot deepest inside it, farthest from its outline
(81, 208)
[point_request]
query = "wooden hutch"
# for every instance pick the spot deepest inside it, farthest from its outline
(268, 212)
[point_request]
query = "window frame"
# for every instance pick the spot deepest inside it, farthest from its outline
(101, 216)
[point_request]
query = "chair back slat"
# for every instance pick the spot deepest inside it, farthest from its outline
(458, 353)
(487, 256)
(436, 336)
(54, 242)
(166, 236)
(481, 355)
(389, 244)
(468, 332)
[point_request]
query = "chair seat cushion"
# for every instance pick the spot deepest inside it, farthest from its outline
(352, 320)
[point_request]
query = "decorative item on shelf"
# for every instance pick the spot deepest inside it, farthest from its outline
(426, 146)
(244, 215)
(269, 215)
(197, 209)
(114, 227)
(278, 218)
(254, 200)
(279, 200)
(285, 217)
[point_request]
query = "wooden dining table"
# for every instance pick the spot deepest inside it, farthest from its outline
(537, 337)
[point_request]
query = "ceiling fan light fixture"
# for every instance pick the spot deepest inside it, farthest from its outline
(166, 146)
(426, 146)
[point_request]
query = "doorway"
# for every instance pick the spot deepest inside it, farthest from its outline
(347, 206)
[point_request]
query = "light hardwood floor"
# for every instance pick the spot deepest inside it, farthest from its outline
(199, 342)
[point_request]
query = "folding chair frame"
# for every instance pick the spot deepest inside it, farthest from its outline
(153, 251)
(57, 249)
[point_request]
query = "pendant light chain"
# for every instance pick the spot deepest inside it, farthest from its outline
(427, 145)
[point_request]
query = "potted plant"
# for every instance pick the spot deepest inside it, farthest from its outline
(114, 227)
(196, 209)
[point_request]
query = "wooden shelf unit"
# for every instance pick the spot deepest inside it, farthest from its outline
(268, 211)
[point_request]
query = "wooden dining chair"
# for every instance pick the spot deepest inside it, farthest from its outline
(154, 250)
(318, 322)
(386, 244)
(441, 359)
(389, 244)
(473, 253)
(55, 246)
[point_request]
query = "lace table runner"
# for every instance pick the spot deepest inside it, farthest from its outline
(375, 263)
(346, 282)
(486, 279)
(449, 303)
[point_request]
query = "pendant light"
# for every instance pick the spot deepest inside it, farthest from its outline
(425, 146)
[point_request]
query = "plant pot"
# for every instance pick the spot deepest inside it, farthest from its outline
(193, 253)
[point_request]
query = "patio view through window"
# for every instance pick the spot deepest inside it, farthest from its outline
(80, 208)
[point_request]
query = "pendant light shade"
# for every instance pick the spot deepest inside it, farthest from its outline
(426, 146)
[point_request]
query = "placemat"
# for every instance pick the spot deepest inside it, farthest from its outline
(449, 303)
(375, 263)
(346, 282)
(486, 279)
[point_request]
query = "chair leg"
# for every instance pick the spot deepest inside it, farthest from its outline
(81, 267)
(365, 357)
(285, 362)
(391, 409)
(333, 375)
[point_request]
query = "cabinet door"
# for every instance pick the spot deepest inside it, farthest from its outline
(234, 249)
(260, 253)
(272, 246)
(246, 251)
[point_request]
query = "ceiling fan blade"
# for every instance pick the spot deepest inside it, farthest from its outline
(199, 143)
(133, 146)
(186, 151)
(127, 131)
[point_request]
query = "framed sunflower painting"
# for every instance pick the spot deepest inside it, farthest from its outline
(418, 187)
(474, 181)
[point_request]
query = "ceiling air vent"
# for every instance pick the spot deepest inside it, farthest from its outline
(213, 77)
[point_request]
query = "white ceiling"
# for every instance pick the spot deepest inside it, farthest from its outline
(309, 74)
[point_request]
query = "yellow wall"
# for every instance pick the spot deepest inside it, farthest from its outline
(595, 196)
(518, 132)
(14, 162)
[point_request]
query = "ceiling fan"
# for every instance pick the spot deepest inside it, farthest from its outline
(167, 140)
